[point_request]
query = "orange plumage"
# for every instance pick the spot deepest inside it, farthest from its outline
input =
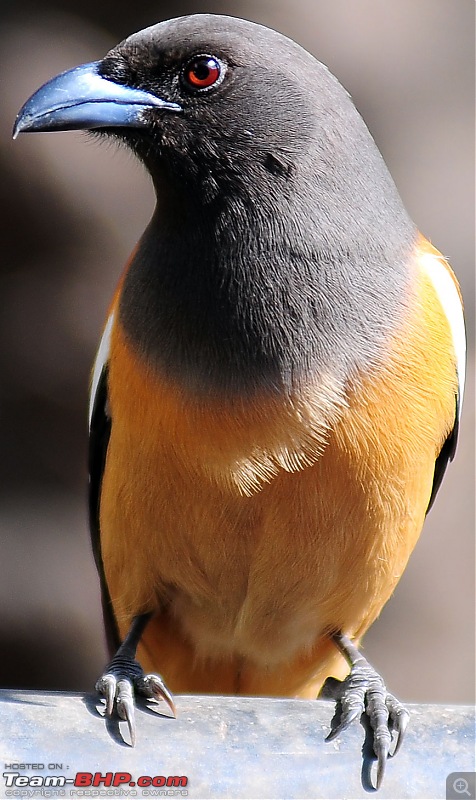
(263, 526)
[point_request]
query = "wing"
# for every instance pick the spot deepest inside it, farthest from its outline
(446, 454)
(447, 291)
(99, 433)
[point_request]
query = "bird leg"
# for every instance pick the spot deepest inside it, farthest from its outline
(363, 691)
(124, 676)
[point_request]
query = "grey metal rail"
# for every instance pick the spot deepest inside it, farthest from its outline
(222, 747)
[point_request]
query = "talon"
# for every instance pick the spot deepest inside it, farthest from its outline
(382, 741)
(400, 718)
(332, 735)
(353, 706)
(350, 716)
(125, 707)
(153, 686)
(381, 762)
(106, 686)
(345, 720)
(334, 732)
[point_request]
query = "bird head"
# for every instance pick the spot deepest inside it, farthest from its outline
(276, 211)
(212, 100)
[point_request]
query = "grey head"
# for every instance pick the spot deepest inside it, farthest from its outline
(279, 247)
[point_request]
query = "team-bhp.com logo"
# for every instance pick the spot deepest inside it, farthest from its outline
(94, 784)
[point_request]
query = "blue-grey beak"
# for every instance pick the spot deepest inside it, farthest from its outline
(81, 99)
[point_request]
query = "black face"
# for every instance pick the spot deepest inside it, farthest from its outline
(245, 108)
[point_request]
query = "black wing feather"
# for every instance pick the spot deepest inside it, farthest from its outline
(100, 431)
(446, 455)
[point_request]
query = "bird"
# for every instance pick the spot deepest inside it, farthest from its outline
(278, 386)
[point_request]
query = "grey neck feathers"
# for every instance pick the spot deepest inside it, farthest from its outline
(259, 289)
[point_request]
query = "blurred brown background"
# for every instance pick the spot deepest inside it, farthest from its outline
(71, 210)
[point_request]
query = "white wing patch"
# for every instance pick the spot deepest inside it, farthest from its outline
(101, 359)
(437, 270)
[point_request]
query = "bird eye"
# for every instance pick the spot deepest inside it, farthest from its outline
(203, 72)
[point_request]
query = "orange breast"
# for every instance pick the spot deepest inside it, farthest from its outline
(255, 528)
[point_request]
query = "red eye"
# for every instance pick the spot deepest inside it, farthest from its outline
(203, 72)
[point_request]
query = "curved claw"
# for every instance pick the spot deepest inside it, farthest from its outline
(381, 749)
(106, 686)
(346, 719)
(351, 697)
(382, 707)
(400, 718)
(351, 711)
(381, 763)
(153, 686)
(125, 707)
(378, 714)
(333, 733)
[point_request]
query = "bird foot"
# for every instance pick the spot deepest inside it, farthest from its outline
(363, 691)
(123, 678)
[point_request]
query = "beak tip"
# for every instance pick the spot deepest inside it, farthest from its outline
(24, 122)
(17, 127)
